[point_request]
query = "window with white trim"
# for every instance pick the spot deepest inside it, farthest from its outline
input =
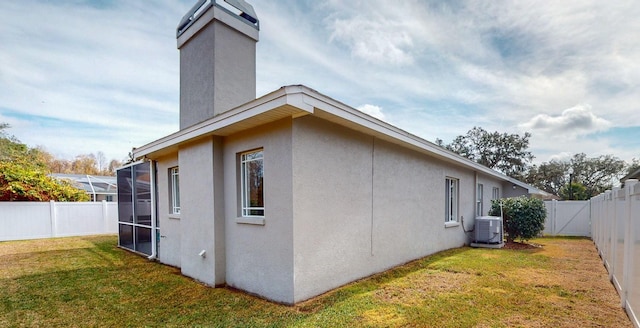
(451, 200)
(479, 200)
(252, 183)
(174, 190)
(496, 193)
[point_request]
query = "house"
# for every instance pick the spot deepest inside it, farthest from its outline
(294, 193)
(99, 188)
(635, 174)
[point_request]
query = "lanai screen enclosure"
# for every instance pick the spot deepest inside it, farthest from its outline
(136, 217)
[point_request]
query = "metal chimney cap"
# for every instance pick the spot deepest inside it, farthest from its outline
(247, 14)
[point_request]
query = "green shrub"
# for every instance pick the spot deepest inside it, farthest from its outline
(20, 182)
(523, 217)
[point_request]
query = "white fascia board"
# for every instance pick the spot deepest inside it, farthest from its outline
(283, 96)
(346, 112)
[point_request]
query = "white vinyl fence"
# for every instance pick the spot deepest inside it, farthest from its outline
(33, 220)
(568, 218)
(615, 227)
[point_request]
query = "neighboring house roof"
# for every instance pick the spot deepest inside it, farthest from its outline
(299, 100)
(103, 185)
(633, 175)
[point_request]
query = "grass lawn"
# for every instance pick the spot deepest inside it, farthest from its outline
(88, 281)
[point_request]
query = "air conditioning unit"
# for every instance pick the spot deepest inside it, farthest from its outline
(488, 232)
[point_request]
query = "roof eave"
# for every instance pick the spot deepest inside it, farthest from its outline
(299, 100)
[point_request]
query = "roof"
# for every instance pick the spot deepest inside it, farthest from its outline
(106, 185)
(632, 175)
(299, 100)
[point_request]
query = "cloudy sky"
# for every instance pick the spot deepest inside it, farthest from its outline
(86, 76)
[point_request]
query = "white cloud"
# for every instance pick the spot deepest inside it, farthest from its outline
(577, 120)
(373, 110)
(381, 41)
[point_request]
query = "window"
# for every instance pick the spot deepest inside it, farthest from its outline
(252, 183)
(174, 190)
(496, 193)
(480, 199)
(451, 199)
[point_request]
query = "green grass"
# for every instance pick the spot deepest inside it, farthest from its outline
(88, 281)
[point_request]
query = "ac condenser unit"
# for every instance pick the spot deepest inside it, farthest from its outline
(488, 230)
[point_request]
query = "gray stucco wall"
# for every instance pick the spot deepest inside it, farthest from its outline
(169, 243)
(339, 205)
(214, 79)
(197, 218)
(488, 184)
(260, 257)
(363, 205)
(511, 190)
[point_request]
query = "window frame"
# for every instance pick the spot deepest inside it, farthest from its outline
(452, 200)
(479, 199)
(174, 190)
(246, 209)
(495, 193)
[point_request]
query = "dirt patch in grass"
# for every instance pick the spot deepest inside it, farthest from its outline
(520, 245)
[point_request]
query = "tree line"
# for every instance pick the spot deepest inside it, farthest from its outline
(510, 154)
(24, 171)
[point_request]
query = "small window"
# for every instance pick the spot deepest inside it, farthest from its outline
(480, 200)
(496, 193)
(252, 183)
(174, 189)
(451, 199)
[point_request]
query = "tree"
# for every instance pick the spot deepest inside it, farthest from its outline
(549, 176)
(85, 164)
(577, 192)
(633, 166)
(20, 182)
(595, 174)
(113, 166)
(24, 174)
(507, 153)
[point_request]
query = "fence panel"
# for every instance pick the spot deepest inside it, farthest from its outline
(19, 219)
(33, 220)
(568, 218)
(632, 304)
(616, 231)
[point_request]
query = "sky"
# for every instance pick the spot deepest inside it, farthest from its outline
(80, 76)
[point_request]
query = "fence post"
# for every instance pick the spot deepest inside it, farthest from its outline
(52, 216)
(607, 233)
(629, 241)
(554, 214)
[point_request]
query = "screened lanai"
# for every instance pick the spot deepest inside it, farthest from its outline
(136, 214)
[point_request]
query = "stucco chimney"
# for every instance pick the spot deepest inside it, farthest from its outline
(217, 43)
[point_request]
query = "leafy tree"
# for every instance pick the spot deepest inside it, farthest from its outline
(549, 176)
(20, 182)
(85, 164)
(577, 192)
(633, 166)
(504, 152)
(595, 174)
(523, 217)
(23, 174)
